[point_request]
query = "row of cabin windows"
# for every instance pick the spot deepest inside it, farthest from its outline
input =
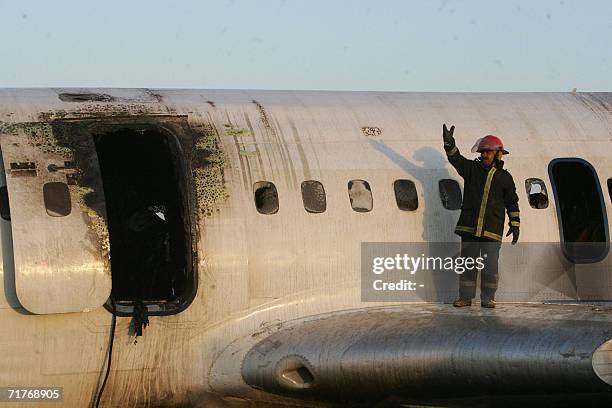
(58, 204)
(360, 195)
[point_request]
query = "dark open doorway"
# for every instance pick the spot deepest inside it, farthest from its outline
(148, 219)
(581, 211)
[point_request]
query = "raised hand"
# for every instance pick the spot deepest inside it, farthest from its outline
(447, 136)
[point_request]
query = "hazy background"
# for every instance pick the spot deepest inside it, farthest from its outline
(343, 45)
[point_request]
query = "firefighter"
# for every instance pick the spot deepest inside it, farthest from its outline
(488, 191)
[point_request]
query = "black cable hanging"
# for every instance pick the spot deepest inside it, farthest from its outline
(110, 353)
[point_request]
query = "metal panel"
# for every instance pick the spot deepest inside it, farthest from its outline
(61, 262)
(410, 350)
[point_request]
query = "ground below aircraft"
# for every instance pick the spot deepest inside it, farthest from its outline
(235, 220)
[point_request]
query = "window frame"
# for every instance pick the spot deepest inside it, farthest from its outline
(262, 184)
(440, 193)
(416, 192)
(324, 196)
(367, 186)
(547, 195)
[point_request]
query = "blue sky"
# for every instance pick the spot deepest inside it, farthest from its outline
(442, 45)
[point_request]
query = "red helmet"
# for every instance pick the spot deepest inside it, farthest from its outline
(489, 142)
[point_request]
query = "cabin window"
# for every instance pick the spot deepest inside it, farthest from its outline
(360, 195)
(266, 197)
(406, 195)
(536, 191)
(5, 210)
(581, 212)
(313, 196)
(57, 199)
(450, 194)
(148, 219)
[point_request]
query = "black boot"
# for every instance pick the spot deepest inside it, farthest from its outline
(488, 304)
(462, 303)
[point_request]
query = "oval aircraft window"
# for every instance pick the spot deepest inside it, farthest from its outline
(450, 194)
(360, 195)
(5, 209)
(313, 196)
(57, 199)
(266, 197)
(536, 191)
(406, 195)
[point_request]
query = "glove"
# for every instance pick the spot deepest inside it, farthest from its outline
(447, 136)
(515, 234)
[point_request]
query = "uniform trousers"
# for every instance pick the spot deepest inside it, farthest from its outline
(475, 247)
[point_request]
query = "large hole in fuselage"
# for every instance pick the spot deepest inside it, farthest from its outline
(150, 238)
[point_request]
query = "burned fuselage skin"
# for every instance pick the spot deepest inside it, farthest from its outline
(276, 291)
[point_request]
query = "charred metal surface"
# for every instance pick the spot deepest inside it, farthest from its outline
(273, 134)
(23, 169)
(182, 144)
(599, 103)
(107, 110)
(85, 97)
(371, 131)
(200, 143)
(23, 166)
(234, 131)
(208, 167)
(411, 353)
(146, 95)
(206, 159)
(78, 151)
(72, 179)
(71, 139)
(82, 165)
(155, 96)
(262, 114)
(67, 165)
(600, 99)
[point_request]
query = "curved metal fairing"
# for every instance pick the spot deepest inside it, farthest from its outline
(414, 351)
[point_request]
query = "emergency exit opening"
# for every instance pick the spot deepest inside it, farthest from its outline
(583, 223)
(148, 222)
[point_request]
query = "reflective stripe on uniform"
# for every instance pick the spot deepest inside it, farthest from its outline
(464, 229)
(491, 235)
(514, 214)
(515, 224)
(483, 203)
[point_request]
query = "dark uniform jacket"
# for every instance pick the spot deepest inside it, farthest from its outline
(487, 193)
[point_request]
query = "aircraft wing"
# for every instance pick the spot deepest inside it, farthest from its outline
(429, 353)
